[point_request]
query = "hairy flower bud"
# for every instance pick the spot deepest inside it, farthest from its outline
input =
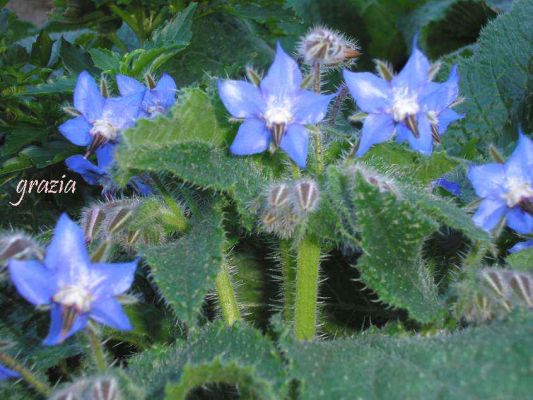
(18, 245)
(305, 196)
(327, 47)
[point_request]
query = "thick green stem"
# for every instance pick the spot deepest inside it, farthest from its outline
(307, 264)
(226, 296)
(26, 374)
(97, 351)
(317, 135)
(288, 273)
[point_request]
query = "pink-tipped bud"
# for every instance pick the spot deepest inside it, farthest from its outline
(327, 47)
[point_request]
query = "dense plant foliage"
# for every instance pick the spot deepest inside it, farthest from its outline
(233, 199)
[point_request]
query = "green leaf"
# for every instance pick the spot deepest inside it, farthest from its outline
(106, 60)
(235, 355)
(185, 270)
(446, 25)
(41, 49)
(478, 363)
(494, 80)
(176, 31)
(522, 260)
(392, 234)
(75, 59)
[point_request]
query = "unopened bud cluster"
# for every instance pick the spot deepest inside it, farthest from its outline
(101, 388)
(327, 47)
(287, 204)
(498, 291)
(383, 183)
(18, 245)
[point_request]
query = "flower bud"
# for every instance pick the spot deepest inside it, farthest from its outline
(278, 195)
(326, 47)
(91, 221)
(305, 196)
(18, 245)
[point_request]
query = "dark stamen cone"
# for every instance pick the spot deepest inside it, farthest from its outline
(410, 121)
(68, 316)
(104, 91)
(435, 133)
(278, 131)
(526, 205)
(97, 142)
(150, 81)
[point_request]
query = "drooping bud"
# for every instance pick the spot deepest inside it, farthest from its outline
(18, 245)
(384, 69)
(91, 221)
(253, 76)
(327, 48)
(305, 196)
(278, 195)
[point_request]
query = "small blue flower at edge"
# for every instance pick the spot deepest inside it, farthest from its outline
(450, 186)
(155, 101)
(75, 288)
(506, 190)
(521, 246)
(100, 117)
(410, 105)
(99, 174)
(6, 373)
(275, 112)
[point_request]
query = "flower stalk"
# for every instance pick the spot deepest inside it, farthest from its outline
(97, 350)
(26, 374)
(307, 264)
(288, 273)
(226, 296)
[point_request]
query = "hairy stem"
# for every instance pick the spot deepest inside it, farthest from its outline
(97, 351)
(316, 77)
(288, 273)
(26, 374)
(226, 296)
(307, 265)
(343, 92)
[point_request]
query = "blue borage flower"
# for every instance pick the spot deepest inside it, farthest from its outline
(99, 174)
(409, 105)
(6, 373)
(156, 100)
(75, 288)
(506, 190)
(101, 119)
(521, 246)
(276, 112)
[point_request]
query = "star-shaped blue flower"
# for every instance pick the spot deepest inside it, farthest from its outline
(99, 174)
(409, 105)
(506, 190)
(275, 112)
(155, 101)
(102, 119)
(75, 288)
(6, 373)
(521, 246)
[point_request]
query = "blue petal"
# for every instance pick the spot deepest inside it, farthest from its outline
(55, 333)
(127, 85)
(424, 143)
(446, 117)
(122, 112)
(253, 137)
(242, 99)
(310, 107)
(520, 221)
(90, 172)
(520, 164)
(87, 97)
(439, 96)
(111, 279)
(402, 133)
(104, 156)
(371, 93)
(377, 128)
(141, 187)
(109, 312)
(489, 214)
(6, 373)
(452, 187)
(488, 179)
(67, 255)
(415, 73)
(521, 246)
(33, 281)
(295, 143)
(166, 90)
(283, 79)
(76, 130)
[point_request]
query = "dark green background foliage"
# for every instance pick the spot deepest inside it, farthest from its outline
(400, 289)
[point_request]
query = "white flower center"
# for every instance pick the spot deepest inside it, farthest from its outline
(74, 296)
(404, 103)
(104, 128)
(517, 191)
(277, 116)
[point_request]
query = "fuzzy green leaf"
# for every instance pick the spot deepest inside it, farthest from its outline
(185, 270)
(522, 260)
(106, 60)
(479, 363)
